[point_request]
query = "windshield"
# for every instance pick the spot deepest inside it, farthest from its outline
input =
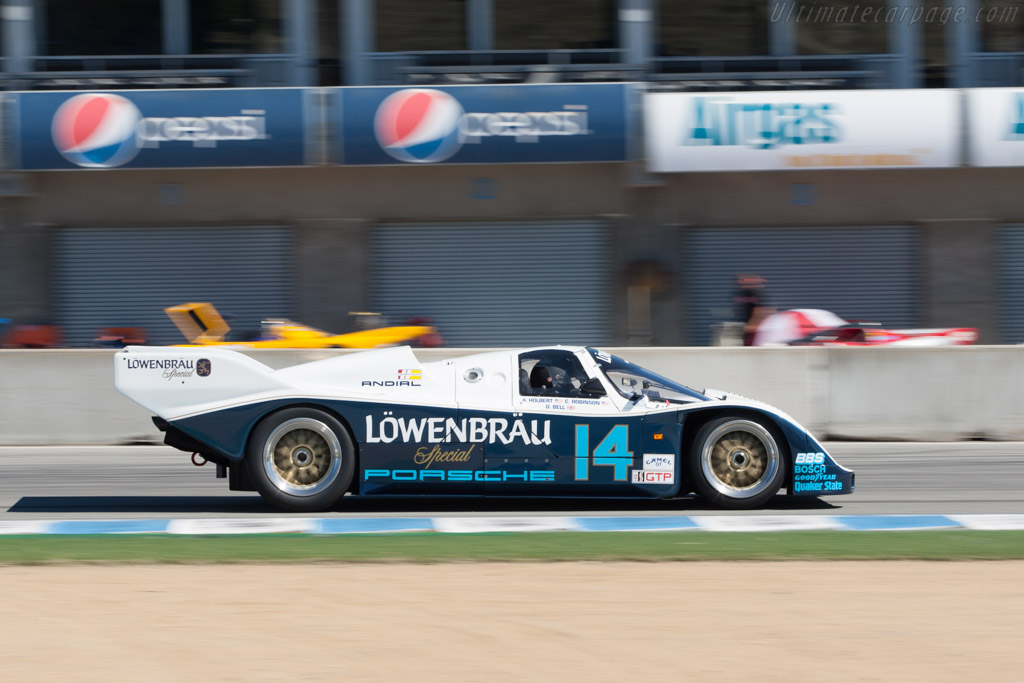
(633, 381)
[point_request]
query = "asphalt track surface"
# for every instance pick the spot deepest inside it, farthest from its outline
(148, 482)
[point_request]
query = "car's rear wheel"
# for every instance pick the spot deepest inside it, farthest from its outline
(301, 459)
(737, 462)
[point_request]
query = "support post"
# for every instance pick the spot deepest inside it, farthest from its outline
(358, 31)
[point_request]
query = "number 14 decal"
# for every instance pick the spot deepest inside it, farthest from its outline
(612, 451)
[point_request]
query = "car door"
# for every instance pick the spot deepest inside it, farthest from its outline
(577, 442)
(419, 446)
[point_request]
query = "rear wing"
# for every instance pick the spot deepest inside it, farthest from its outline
(199, 322)
(173, 382)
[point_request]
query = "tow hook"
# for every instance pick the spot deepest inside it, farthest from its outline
(199, 461)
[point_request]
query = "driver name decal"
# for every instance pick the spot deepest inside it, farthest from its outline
(563, 403)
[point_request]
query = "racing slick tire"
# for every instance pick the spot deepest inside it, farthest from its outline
(737, 462)
(301, 459)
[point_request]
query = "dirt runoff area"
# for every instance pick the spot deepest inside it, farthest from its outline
(587, 621)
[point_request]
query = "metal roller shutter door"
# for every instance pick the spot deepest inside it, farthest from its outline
(127, 276)
(858, 273)
(1010, 282)
(496, 284)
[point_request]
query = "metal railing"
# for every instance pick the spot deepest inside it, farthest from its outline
(996, 69)
(498, 66)
(768, 72)
(737, 72)
(149, 71)
(986, 69)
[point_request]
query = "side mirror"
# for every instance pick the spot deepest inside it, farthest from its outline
(593, 387)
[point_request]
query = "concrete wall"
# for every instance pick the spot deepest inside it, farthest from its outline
(938, 394)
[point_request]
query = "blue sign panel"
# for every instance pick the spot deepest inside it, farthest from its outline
(160, 129)
(482, 124)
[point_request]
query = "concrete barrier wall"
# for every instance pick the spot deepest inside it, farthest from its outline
(55, 397)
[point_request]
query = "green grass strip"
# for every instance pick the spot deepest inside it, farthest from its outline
(516, 547)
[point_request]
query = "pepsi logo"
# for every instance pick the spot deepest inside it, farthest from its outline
(419, 126)
(96, 130)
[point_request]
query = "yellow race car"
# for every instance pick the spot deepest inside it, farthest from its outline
(202, 325)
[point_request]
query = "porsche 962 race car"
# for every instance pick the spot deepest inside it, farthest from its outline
(543, 422)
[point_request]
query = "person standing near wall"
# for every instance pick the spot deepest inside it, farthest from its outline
(751, 304)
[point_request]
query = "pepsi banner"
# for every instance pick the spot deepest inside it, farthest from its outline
(472, 124)
(160, 129)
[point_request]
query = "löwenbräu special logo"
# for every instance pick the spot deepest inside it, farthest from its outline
(450, 430)
(172, 368)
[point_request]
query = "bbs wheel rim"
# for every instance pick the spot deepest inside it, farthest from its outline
(740, 459)
(302, 456)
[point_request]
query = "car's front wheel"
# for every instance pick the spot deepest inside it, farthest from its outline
(737, 462)
(301, 459)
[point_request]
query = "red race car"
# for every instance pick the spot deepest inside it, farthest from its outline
(815, 327)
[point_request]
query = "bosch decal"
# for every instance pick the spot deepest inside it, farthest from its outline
(811, 474)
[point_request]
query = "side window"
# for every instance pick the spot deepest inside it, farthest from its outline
(551, 373)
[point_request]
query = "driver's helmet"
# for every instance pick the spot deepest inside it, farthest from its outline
(562, 371)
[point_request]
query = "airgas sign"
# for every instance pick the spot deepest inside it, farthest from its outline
(995, 126)
(754, 131)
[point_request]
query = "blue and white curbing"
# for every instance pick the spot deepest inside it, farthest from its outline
(478, 525)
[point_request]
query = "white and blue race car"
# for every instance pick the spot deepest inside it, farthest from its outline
(542, 422)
